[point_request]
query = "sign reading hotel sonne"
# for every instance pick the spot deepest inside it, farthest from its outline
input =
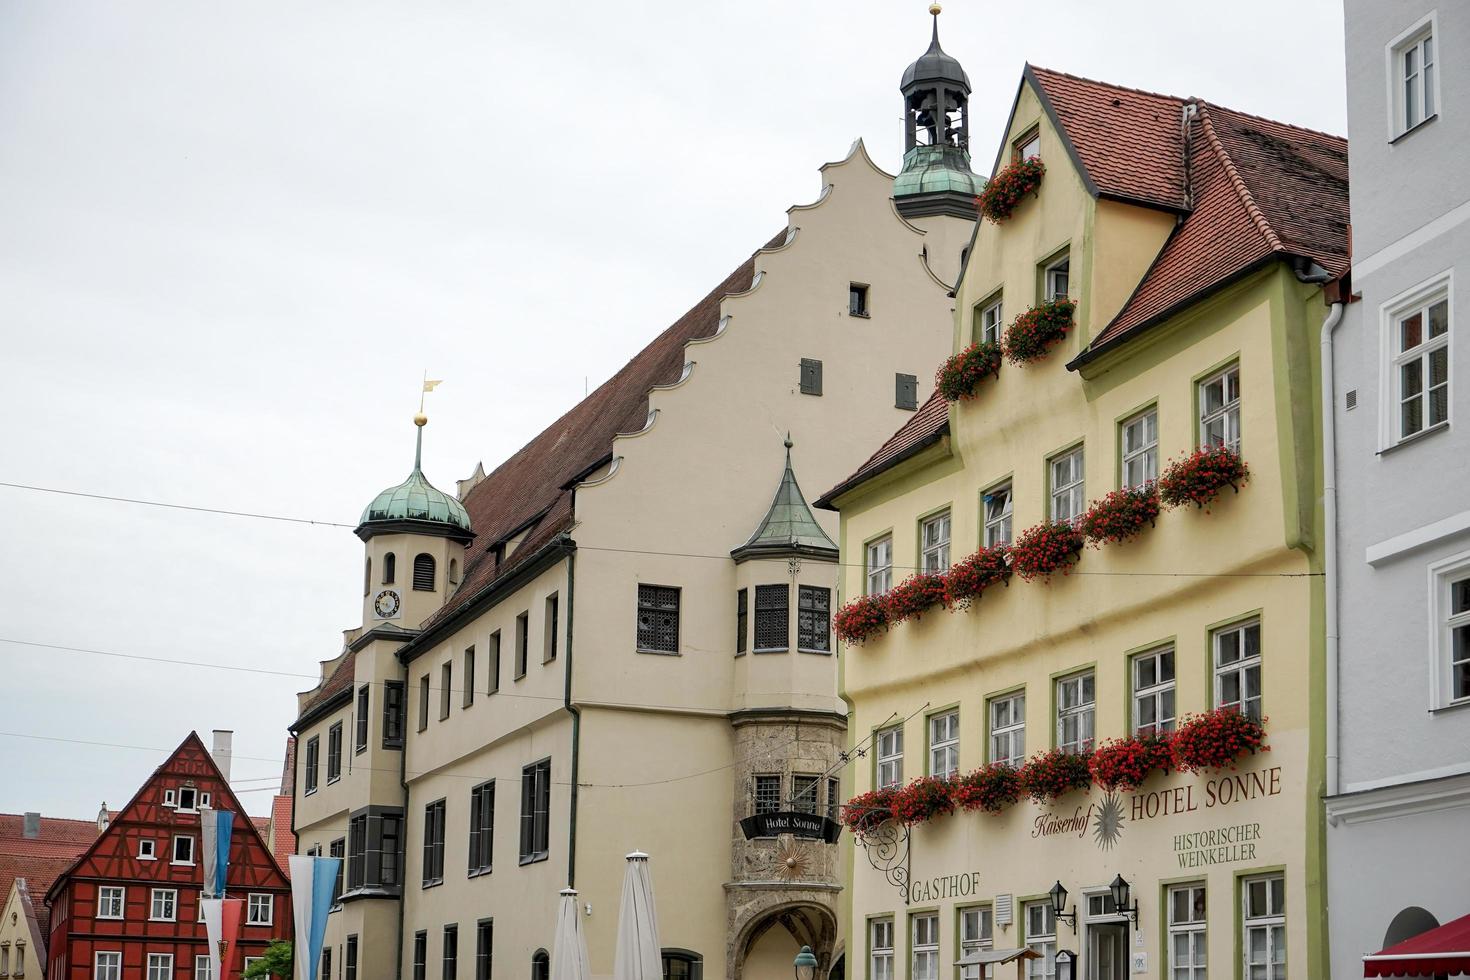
(805, 825)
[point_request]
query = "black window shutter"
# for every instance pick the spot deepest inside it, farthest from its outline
(906, 391)
(811, 376)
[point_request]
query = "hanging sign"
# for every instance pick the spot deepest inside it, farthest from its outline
(809, 826)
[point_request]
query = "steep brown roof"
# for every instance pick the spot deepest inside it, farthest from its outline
(924, 427)
(40, 860)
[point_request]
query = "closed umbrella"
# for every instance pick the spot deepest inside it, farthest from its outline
(569, 951)
(638, 956)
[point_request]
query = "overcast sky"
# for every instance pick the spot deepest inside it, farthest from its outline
(233, 236)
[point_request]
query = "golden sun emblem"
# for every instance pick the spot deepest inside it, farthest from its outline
(1108, 825)
(792, 860)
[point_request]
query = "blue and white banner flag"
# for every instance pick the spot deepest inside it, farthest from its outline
(313, 879)
(217, 826)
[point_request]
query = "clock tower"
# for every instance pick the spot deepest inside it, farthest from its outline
(415, 537)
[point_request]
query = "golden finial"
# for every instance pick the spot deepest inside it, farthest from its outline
(420, 420)
(935, 9)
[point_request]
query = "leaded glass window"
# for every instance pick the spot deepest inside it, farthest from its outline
(658, 618)
(814, 619)
(772, 604)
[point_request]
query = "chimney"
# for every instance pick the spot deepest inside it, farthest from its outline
(31, 827)
(223, 740)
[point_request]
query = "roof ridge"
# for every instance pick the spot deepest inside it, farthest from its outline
(1111, 85)
(1276, 122)
(1237, 181)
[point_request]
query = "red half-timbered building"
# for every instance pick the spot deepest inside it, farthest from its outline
(128, 909)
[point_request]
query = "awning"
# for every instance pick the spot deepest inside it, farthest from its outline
(990, 957)
(1439, 952)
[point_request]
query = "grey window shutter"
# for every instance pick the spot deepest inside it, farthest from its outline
(906, 391)
(811, 376)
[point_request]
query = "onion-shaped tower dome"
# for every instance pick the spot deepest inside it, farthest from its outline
(416, 506)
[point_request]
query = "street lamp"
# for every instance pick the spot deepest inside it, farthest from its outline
(1120, 891)
(1059, 906)
(1067, 958)
(805, 964)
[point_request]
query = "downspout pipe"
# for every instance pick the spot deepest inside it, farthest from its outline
(576, 714)
(1329, 533)
(403, 823)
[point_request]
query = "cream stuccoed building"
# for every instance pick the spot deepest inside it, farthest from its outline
(620, 637)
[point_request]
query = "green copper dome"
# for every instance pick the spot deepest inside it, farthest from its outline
(415, 500)
(937, 170)
(789, 528)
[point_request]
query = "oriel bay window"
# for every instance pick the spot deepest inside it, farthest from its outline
(890, 756)
(1237, 653)
(772, 618)
(482, 828)
(880, 948)
(1263, 928)
(814, 619)
(535, 811)
(879, 565)
(1188, 959)
(1153, 691)
(925, 946)
(934, 543)
(944, 743)
(658, 619)
(1076, 700)
(1008, 729)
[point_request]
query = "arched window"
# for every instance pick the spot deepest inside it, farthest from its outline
(540, 965)
(367, 577)
(453, 571)
(390, 568)
(423, 573)
(683, 964)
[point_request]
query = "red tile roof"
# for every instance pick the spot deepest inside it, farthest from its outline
(40, 860)
(924, 427)
(1253, 190)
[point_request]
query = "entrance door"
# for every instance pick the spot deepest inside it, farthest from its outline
(1107, 951)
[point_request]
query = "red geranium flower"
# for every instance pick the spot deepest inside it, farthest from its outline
(971, 576)
(960, 375)
(1120, 514)
(1216, 739)
(1005, 190)
(912, 597)
(1200, 476)
(1047, 776)
(991, 789)
(1044, 549)
(1032, 334)
(1124, 763)
(861, 619)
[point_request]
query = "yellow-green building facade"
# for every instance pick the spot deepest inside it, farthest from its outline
(1199, 245)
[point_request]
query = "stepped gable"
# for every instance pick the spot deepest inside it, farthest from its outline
(531, 491)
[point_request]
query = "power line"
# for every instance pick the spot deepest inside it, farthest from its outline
(159, 503)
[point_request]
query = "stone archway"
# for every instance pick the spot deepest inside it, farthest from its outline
(764, 946)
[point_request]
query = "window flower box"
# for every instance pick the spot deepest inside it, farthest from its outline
(923, 799)
(991, 789)
(1216, 739)
(1049, 776)
(1199, 477)
(868, 811)
(1032, 334)
(1120, 515)
(1124, 763)
(969, 577)
(912, 597)
(861, 619)
(1004, 192)
(1045, 549)
(959, 377)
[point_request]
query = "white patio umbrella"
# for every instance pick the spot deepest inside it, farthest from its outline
(638, 956)
(569, 951)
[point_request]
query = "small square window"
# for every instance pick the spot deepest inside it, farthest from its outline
(811, 376)
(1028, 145)
(261, 909)
(145, 850)
(857, 299)
(906, 392)
(188, 798)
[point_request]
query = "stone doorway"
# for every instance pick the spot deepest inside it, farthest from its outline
(765, 947)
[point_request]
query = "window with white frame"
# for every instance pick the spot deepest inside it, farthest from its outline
(160, 966)
(998, 502)
(1140, 449)
(880, 565)
(976, 930)
(260, 909)
(202, 970)
(880, 949)
(188, 798)
(165, 905)
(145, 849)
(1041, 935)
(1076, 700)
(1008, 729)
(1264, 927)
(934, 543)
(1416, 95)
(110, 901)
(988, 322)
(1153, 691)
(183, 850)
(1219, 409)
(1452, 629)
(1420, 339)
(1237, 653)
(890, 756)
(252, 959)
(944, 743)
(1187, 953)
(1068, 493)
(1056, 276)
(107, 965)
(925, 946)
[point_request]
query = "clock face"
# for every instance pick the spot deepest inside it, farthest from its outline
(386, 604)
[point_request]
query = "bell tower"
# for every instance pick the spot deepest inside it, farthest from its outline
(415, 537)
(936, 176)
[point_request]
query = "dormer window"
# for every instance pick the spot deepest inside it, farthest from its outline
(1028, 145)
